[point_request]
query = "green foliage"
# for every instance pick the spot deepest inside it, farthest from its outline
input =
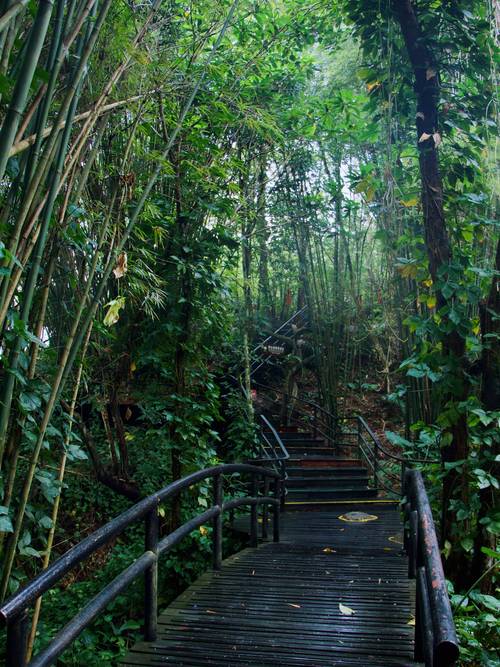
(296, 157)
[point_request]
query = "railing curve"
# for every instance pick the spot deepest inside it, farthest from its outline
(436, 642)
(259, 362)
(13, 613)
(275, 454)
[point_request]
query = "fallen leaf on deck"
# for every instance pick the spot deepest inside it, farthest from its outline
(347, 611)
(296, 606)
(411, 621)
(329, 550)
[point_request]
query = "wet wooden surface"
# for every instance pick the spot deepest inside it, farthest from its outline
(331, 593)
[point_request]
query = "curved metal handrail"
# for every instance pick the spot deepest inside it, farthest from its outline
(291, 319)
(285, 455)
(384, 451)
(13, 612)
(360, 419)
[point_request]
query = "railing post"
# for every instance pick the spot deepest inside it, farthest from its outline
(315, 417)
(17, 641)
(423, 625)
(265, 509)
(282, 496)
(277, 510)
(358, 421)
(254, 523)
(376, 456)
(217, 523)
(152, 529)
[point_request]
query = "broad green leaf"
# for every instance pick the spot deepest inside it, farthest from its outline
(29, 402)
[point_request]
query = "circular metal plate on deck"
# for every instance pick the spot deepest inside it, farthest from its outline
(357, 517)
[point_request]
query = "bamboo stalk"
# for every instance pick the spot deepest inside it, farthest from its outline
(23, 83)
(57, 500)
(21, 146)
(51, 147)
(78, 331)
(29, 287)
(43, 165)
(11, 13)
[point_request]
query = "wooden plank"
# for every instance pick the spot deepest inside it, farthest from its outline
(283, 604)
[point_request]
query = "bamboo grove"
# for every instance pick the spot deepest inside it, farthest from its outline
(177, 178)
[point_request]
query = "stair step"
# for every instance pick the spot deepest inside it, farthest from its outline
(324, 462)
(326, 482)
(326, 472)
(295, 435)
(301, 452)
(330, 494)
(326, 505)
(305, 442)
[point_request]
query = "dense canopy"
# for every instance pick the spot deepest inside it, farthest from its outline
(176, 180)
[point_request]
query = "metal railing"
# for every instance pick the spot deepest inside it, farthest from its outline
(275, 454)
(306, 414)
(351, 433)
(271, 340)
(13, 612)
(387, 468)
(436, 642)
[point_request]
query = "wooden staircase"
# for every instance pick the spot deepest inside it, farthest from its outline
(317, 476)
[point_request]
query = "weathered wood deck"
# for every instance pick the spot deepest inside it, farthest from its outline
(280, 604)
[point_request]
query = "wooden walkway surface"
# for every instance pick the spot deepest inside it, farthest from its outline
(331, 593)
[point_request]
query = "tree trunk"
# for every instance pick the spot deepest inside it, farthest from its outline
(437, 245)
(490, 394)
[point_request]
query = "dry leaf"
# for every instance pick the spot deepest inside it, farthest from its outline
(423, 137)
(295, 606)
(210, 611)
(329, 550)
(114, 308)
(430, 73)
(121, 265)
(437, 138)
(347, 611)
(411, 621)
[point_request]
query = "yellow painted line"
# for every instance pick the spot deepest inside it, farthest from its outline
(364, 519)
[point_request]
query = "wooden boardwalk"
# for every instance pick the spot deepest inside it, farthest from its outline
(331, 593)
